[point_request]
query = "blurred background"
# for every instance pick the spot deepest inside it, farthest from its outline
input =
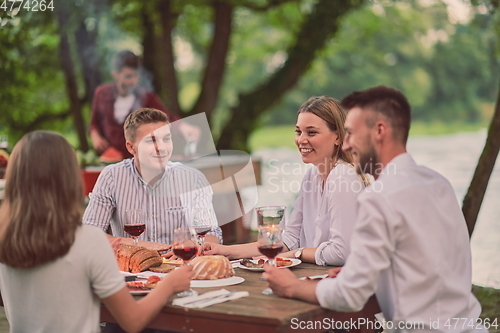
(249, 64)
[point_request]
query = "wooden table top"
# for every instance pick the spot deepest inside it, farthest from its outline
(255, 313)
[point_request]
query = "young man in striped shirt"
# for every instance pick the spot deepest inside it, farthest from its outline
(165, 190)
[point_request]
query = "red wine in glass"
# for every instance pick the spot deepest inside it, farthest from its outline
(186, 253)
(270, 251)
(185, 246)
(135, 230)
(202, 231)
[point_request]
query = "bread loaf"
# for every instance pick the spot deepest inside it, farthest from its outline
(136, 259)
(211, 268)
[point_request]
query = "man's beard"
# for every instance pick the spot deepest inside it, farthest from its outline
(369, 162)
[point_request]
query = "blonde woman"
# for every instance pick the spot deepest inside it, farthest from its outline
(322, 221)
(54, 271)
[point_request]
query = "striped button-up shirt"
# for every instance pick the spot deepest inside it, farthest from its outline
(166, 203)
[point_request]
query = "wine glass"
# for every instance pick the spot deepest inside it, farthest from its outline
(267, 215)
(135, 224)
(270, 244)
(200, 221)
(185, 247)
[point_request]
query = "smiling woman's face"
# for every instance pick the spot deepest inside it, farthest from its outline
(314, 139)
(152, 146)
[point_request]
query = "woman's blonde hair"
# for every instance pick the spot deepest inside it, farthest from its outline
(331, 111)
(43, 201)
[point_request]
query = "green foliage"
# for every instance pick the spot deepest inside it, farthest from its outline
(490, 303)
(446, 70)
(283, 135)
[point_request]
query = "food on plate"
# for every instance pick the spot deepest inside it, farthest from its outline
(150, 283)
(211, 268)
(283, 262)
(136, 259)
(252, 264)
(280, 262)
(163, 268)
(173, 262)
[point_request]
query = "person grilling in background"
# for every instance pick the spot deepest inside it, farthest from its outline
(113, 102)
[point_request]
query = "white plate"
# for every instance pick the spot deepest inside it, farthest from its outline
(216, 283)
(202, 284)
(140, 292)
(295, 262)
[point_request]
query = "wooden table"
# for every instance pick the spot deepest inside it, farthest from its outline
(255, 313)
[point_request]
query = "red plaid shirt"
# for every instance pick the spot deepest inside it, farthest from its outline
(103, 118)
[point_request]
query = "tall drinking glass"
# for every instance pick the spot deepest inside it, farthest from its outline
(268, 215)
(135, 224)
(270, 244)
(200, 221)
(185, 247)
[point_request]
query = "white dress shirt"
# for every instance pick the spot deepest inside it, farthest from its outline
(166, 203)
(323, 218)
(410, 246)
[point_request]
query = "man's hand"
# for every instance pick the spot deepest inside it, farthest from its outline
(284, 283)
(170, 256)
(114, 241)
(333, 272)
(100, 144)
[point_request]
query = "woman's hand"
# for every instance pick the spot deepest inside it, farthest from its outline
(209, 249)
(180, 278)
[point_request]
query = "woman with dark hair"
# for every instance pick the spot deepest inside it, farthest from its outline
(322, 221)
(54, 271)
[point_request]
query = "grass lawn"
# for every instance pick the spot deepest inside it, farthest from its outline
(490, 302)
(283, 135)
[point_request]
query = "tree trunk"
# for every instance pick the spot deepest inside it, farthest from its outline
(70, 77)
(171, 87)
(150, 57)
(86, 43)
(216, 62)
(477, 189)
(317, 29)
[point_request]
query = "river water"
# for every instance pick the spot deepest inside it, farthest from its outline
(455, 156)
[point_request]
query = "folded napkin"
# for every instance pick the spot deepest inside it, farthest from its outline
(209, 298)
(235, 263)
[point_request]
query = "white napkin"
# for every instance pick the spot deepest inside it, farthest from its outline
(209, 298)
(235, 263)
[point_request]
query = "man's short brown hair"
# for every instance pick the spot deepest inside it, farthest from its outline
(127, 59)
(140, 117)
(386, 101)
